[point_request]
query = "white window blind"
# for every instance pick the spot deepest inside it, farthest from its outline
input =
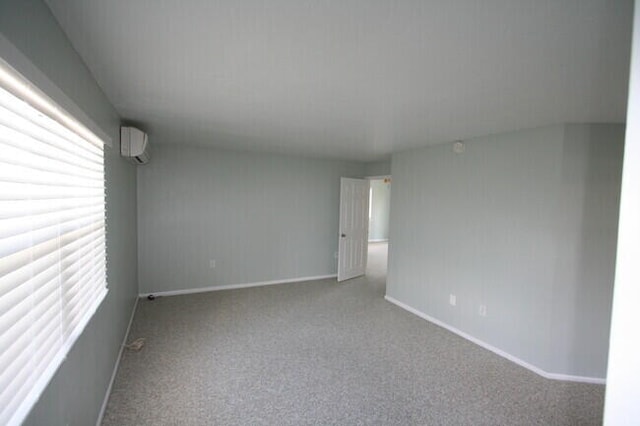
(52, 246)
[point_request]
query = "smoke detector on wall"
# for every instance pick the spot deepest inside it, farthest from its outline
(459, 147)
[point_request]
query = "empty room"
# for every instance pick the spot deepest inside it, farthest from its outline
(250, 212)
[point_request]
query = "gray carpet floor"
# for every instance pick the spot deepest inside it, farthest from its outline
(324, 353)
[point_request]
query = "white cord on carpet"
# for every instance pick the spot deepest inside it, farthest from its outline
(136, 345)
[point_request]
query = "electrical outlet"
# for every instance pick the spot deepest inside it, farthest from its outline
(212, 263)
(452, 299)
(482, 310)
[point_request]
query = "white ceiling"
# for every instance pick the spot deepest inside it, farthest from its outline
(354, 79)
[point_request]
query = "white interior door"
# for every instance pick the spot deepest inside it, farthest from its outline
(354, 228)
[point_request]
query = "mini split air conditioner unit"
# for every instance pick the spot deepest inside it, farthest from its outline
(134, 145)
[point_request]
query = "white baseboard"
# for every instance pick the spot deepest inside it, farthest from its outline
(539, 371)
(384, 240)
(236, 286)
(115, 368)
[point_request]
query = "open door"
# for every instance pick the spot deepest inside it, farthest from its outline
(354, 228)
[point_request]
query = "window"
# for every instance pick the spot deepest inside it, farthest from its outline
(52, 239)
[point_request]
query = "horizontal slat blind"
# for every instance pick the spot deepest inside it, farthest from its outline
(52, 248)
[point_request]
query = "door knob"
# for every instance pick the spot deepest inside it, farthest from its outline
(343, 235)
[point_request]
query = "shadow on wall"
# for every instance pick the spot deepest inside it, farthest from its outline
(591, 174)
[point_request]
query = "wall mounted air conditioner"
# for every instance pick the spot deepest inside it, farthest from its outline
(134, 145)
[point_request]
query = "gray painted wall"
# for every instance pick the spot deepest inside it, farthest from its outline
(76, 392)
(380, 202)
(524, 223)
(261, 217)
(378, 168)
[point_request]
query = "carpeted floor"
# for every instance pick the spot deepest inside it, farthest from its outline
(324, 353)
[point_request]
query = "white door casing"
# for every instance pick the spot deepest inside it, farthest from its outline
(354, 228)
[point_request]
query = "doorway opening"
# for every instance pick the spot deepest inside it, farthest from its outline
(364, 227)
(379, 208)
